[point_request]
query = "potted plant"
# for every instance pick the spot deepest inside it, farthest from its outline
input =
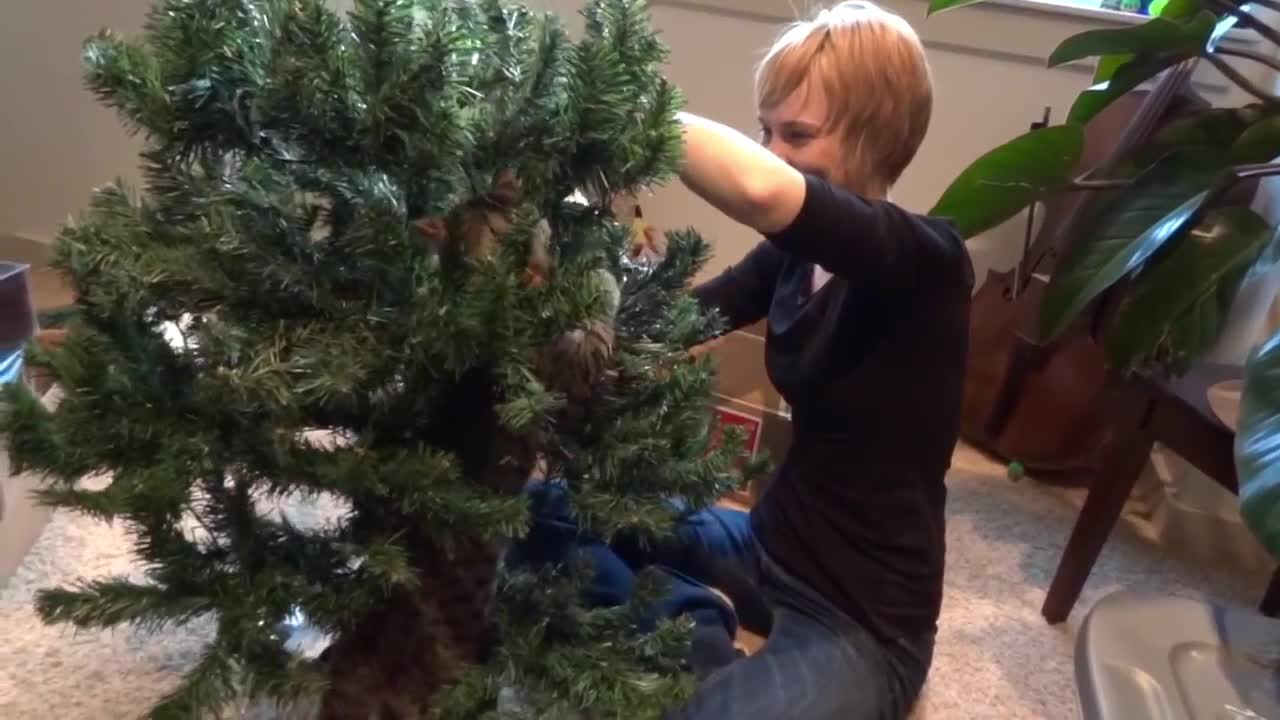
(1164, 238)
(1162, 246)
(1165, 229)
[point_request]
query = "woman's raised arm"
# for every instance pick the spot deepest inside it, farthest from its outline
(739, 177)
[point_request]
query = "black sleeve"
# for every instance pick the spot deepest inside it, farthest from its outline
(743, 291)
(872, 242)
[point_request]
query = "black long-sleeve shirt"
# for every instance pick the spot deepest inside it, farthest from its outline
(872, 365)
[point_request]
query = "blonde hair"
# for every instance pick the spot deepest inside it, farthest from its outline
(877, 80)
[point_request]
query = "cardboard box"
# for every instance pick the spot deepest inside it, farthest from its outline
(748, 399)
(745, 396)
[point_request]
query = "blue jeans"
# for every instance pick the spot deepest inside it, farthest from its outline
(10, 365)
(816, 664)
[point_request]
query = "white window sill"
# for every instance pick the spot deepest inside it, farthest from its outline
(1102, 15)
(1078, 10)
(1077, 15)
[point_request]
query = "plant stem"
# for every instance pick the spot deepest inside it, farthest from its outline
(1248, 20)
(1269, 4)
(1257, 170)
(1099, 184)
(1253, 55)
(1240, 80)
(1238, 172)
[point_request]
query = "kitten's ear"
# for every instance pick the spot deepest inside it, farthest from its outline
(507, 191)
(432, 231)
(647, 242)
(596, 194)
(480, 228)
(538, 267)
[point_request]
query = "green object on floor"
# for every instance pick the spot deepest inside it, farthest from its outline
(1016, 471)
(55, 317)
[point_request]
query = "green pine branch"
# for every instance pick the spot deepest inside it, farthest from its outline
(381, 30)
(530, 99)
(244, 661)
(272, 673)
(128, 78)
(647, 443)
(211, 57)
(29, 429)
(387, 560)
(625, 108)
(649, 314)
(137, 383)
(108, 602)
(311, 66)
(102, 505)
(560, 658)
(205, 689)
(422, 488)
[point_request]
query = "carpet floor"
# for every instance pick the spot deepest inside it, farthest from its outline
(996, 658)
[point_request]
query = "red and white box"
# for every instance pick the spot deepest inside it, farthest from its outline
(726, 416)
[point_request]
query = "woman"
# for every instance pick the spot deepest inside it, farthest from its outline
(867, 312)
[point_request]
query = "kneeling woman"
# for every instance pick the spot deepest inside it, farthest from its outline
(867, 311)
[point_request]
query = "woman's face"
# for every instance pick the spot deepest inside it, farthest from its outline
(794, 131)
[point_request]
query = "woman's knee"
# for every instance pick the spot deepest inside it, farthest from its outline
(548, 499)
(723, 532)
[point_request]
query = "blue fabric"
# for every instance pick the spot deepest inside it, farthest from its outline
(11, 365)
(817, 663)
(555, 538)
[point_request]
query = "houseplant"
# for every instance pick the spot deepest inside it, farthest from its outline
(357, 269)
(1164, 237)
(1162, 227)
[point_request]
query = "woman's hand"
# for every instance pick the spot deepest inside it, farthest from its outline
(739, 177)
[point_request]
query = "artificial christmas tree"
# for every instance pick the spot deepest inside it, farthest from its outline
(357, 270)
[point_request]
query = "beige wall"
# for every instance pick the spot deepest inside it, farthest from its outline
(989, 62)
(56, 142)
(991, 83)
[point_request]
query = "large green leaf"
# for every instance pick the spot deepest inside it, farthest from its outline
(1212, 128)
(1179, 299)
(1128, 76)
(1008, 178)
(1149, 53)
(1198, 331)
(1257, 447)
(1107, 67)
(1176, 9)
(1267, 259)
(1124, 232)
(1258, 144)
(1156, 36)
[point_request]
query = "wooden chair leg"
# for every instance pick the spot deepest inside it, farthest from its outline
(1123, 462)
(1270, 605)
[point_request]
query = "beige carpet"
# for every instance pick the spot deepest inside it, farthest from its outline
(996, 657)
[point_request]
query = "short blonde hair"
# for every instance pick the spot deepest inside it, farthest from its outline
(879, 87)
